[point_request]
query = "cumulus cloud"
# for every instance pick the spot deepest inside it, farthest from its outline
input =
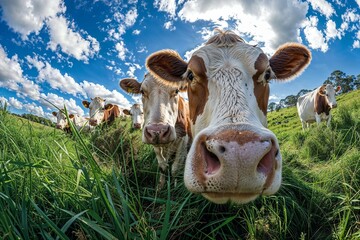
(314, 36)
(253, 19)
(331, 30)
(136, 32)
(15, 103)
(323, 7)
(132, 68)
(26, 17)
(169, 26)
(168, 6)
(63, 36)
(11, 77)
(34, 109)
(55, 78)
(97, 90)
(54, 102)
(121, 50)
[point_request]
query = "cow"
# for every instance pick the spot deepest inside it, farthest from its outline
(81, 123)
(234, 157)
(166, 121)
(315, 106)
(101, 113)
(137, 115)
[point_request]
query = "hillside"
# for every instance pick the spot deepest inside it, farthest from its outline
(102, 185)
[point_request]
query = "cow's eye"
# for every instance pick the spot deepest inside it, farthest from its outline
(177, 91)
(267, 75)
(142, 92)
(190, 75)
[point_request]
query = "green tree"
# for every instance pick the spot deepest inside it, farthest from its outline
(357, 82)
(271, 106)
(339, 78)
(290, 101)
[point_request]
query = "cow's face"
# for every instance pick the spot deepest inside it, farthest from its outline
(61, 120)
(160, 105)
(233, 157)
(97, 107)
(136, 114)
(329, 91)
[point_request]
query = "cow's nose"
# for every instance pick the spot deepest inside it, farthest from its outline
(334, 105)
(93, 122)
(58, 126)
(157, 133)
(137, 125)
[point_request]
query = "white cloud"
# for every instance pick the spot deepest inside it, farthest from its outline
(358, 2)
(55, 79)
(356, 44)
(51, 99)
(132, 69)
(34, 109)
(323, 7)
(136, 32)
(121, 50)
(28, 16)
(331, 31)
(62, 35)
(169, 26)
(168, 6)
(130, 17)
(15, 103)
(314, 36)
(262, 22)
(11, 77)
(96, 90)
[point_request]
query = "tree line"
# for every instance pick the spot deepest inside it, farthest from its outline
(336, 78)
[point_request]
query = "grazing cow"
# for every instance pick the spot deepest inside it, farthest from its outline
(233, 156)
(99, 112)
(166, 121)
(316, 105)
(79, 122)
(137, 115)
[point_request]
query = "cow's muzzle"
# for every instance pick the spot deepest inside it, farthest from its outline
(159, 133)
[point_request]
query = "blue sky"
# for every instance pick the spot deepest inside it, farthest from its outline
(67, 51)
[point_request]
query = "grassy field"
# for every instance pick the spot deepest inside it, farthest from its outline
(102, 185)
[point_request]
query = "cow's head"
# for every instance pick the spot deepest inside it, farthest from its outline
(136, 114)
(160, 106)
(328, 91)
(97, 107)
(233, 157)
(61, 120)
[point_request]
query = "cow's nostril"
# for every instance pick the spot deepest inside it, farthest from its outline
(211, 160)
(266, 164)
(222, 149)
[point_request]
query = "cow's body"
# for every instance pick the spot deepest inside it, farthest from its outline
(315, 106)
(101, 113)
(166, 121)
(137, 115)
(233, 157)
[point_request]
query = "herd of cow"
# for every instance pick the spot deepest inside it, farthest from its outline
(221, 132)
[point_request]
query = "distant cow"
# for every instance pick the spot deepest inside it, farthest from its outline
(315, 106)
(79, 122)
(137, 115)
(100, 113)
(166, 121)
(233, 157)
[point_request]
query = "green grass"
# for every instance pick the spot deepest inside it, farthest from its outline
(103, 185)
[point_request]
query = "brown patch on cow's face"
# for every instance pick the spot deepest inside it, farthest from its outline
(261, 89)
(321, 105)
(182, 124)
(241, 137)
(198, 87)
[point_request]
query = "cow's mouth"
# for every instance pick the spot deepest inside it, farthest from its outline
(225, 197)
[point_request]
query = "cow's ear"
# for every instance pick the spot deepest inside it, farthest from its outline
(54, 113)
(130, 85)
(126, 112)
(108, 106)
(289, 61)
(71, 116)
(86, 104)
(166, 65)
(338, 88)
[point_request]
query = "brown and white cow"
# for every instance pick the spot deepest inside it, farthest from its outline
(233, 157)
(99, 112)
(136, 114)
(166, 121)
(61, 121)
(315, 106)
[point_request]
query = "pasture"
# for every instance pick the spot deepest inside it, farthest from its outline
(103, 185)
